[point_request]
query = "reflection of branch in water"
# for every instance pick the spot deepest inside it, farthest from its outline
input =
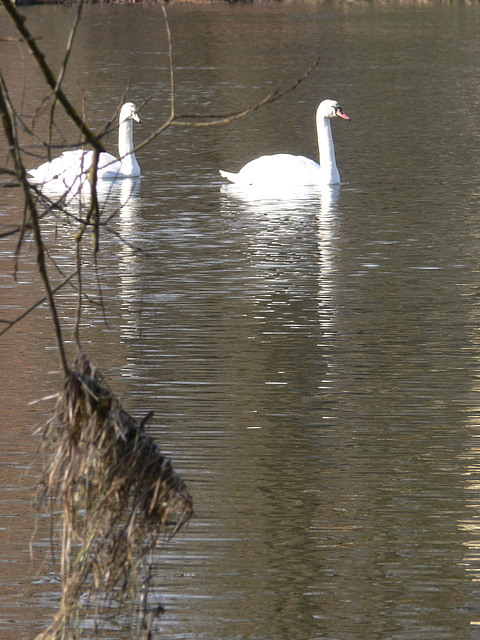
(24, 314)
(471, 525)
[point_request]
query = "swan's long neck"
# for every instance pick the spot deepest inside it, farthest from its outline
(326, 151)
(125, 147)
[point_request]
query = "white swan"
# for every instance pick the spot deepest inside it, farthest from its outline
(284, 170)
(71, 168)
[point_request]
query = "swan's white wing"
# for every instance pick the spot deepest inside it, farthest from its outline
(74, 165)
(281, 168)
(108, 167)
(60, 167)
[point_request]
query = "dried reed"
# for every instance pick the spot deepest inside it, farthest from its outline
(117, 496)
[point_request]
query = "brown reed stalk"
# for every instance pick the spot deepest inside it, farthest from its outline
(118, 495)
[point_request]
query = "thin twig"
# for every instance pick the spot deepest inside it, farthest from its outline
(206, 121)
(170, 59)
(39, 56)
(212, 120)
(63, 68)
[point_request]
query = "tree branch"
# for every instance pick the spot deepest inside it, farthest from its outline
(8, 120)
(19, 22)
(212, 120)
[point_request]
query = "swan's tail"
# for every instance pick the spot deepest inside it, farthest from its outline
(233, 177)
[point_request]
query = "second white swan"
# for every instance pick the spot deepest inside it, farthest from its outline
(74, 165)
(285, 170)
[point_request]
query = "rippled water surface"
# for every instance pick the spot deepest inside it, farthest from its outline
(312, 361)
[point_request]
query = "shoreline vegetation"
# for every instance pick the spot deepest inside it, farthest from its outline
(332, 2)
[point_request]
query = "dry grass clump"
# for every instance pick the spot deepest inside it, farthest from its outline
(117, 496)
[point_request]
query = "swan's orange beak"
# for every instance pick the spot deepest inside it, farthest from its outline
(340, 113)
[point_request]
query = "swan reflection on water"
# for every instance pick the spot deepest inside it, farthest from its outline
(327, 234)
(282, 199)
(273, 198)
(287, 211)
(112, 195)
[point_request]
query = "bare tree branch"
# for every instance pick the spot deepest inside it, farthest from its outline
(170, 59)
(63, 69)
(100, 462)
(189, 120)
(19, 22)
(8, 120)
(206, 121)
